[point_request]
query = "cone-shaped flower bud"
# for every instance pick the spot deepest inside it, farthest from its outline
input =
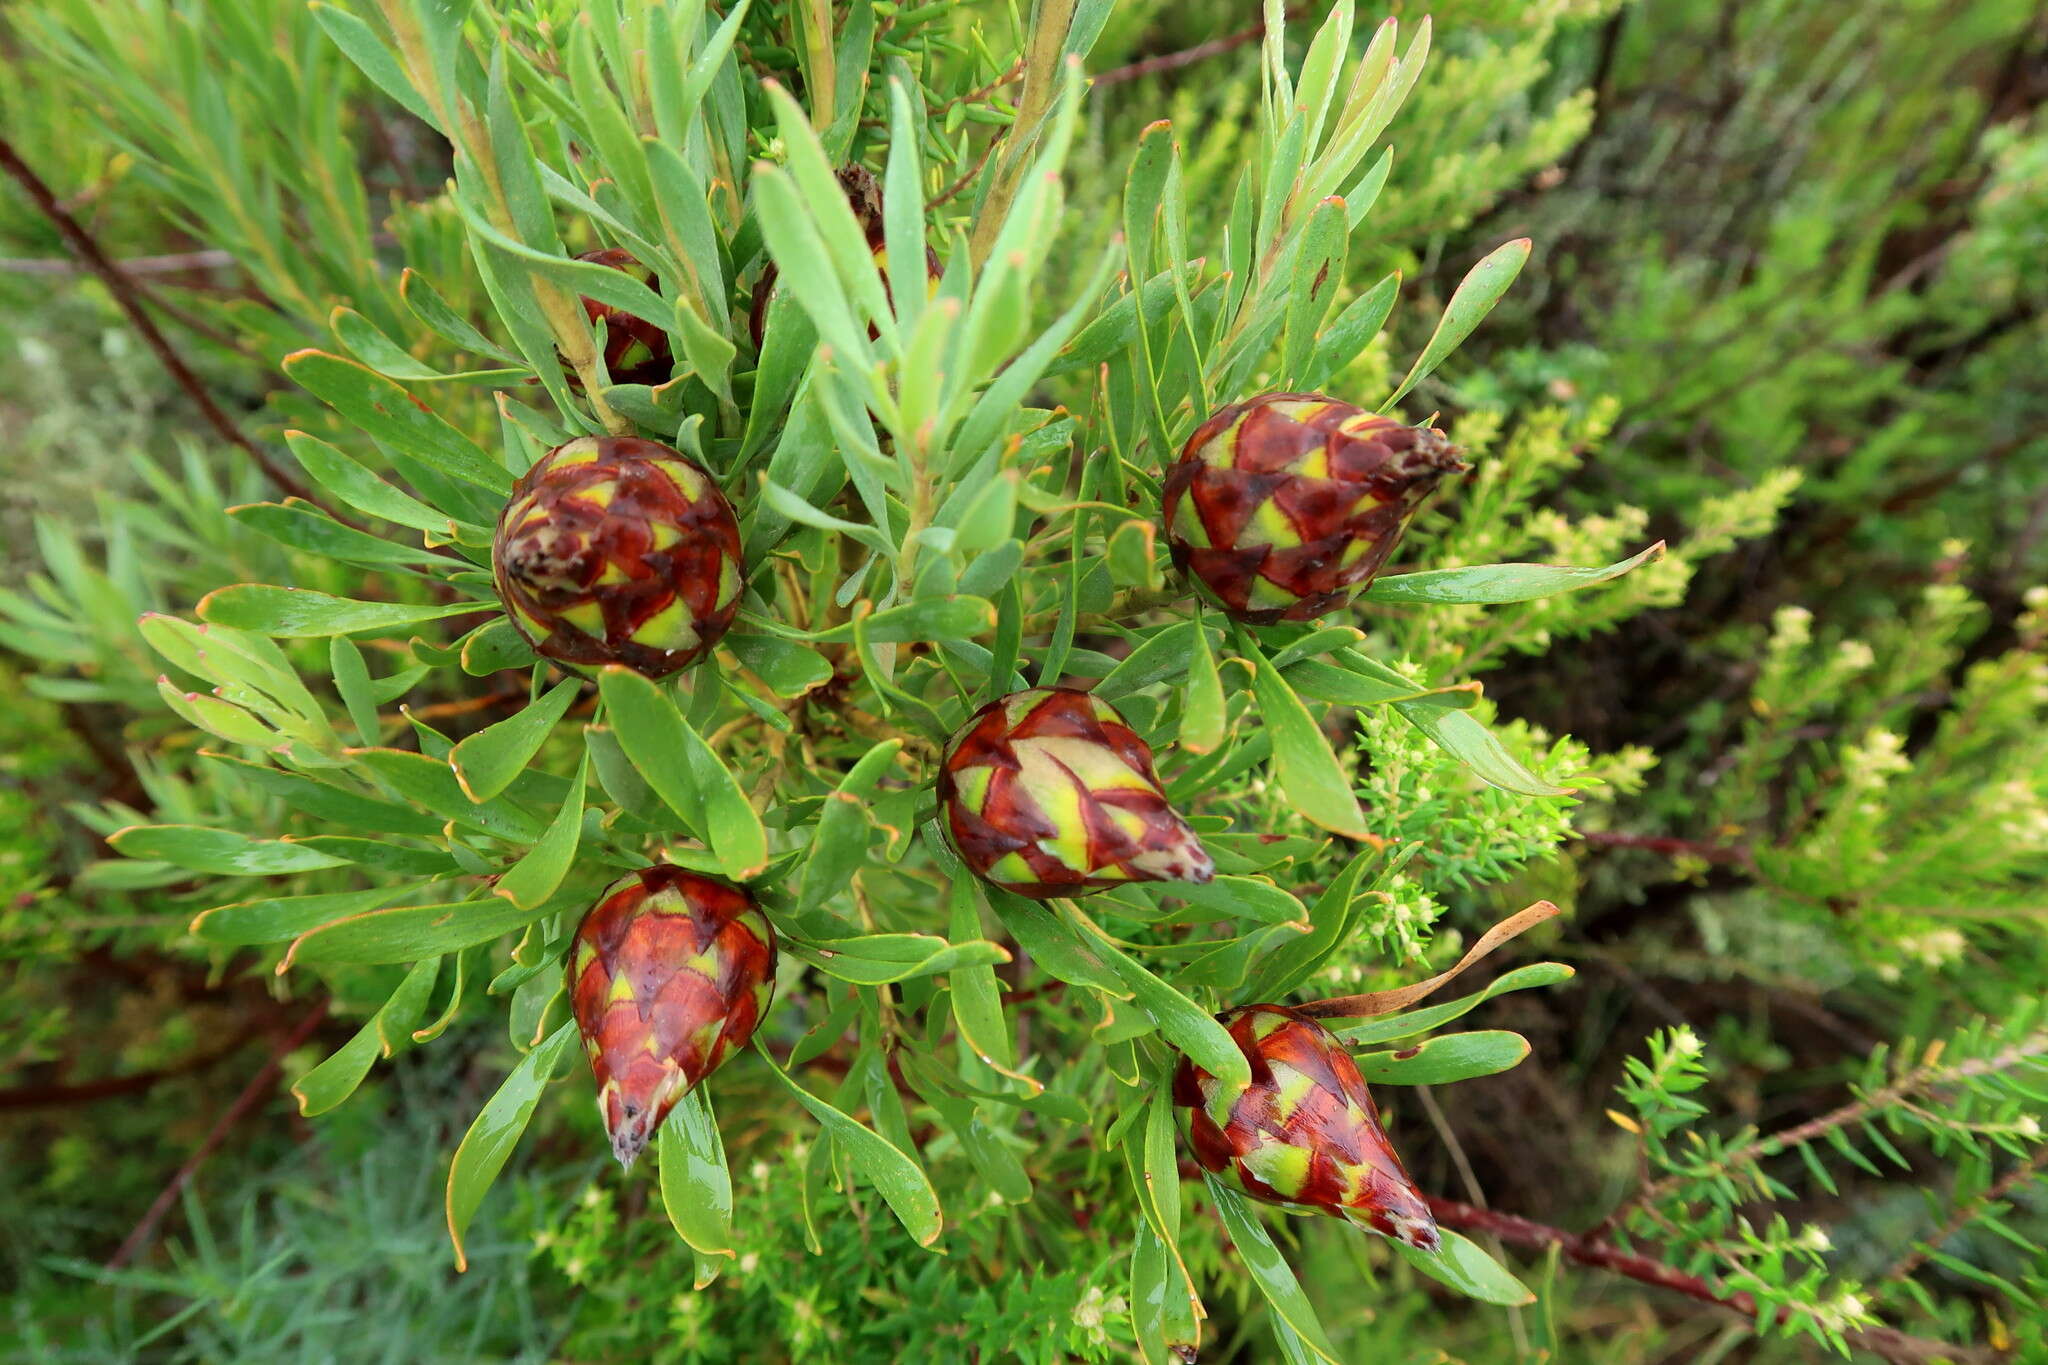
(864, 197)
(1051, 793)
(1284, 506)
(669, 975)
(1305, 1132)
(618, 550)
(636, 351)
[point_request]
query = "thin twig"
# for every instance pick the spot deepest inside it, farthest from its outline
(1969, 1212)
(134, 1083)
(253, 1094)
(1200, 52)
(213, 258)
(123, 289)
(1892, 1344)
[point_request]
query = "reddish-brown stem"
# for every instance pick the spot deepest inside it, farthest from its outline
(1887, 1342)
(124, 292)
(1200, 52)
(1969, 1212)
(88, 1092)
(253, 1094)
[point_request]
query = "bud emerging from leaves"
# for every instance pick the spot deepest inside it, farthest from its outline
(1284, 506)
(864, 197)
(1051, 793)
(618, 550)
(668, 976)
(1305, 1132)
(636, 351)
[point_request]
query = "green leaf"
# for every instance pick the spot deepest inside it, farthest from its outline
(538, 874)
(486, 762)
(1352, 331)
(1318, 272)
(296, 613)
(684, 772)
(927, 619)
(1492, 583)
(388, 1030)
(696, 1185)
(1460, 735)
(1269, 1269)
(1470, 302)
(387, 413)
(1164, 654)
(1466, 1267)
(1053, 944)
(411, 932)
(789, 669)
(839, 842)
(1305, 765)
(431, 783)
(1453, 1057)
(494, 647)
(1386, 1028)
(877, 959)
(1205, 720)
(277, 919)
(898, 1178)
(490, 1139)
(218, 851)
(1185, 1024)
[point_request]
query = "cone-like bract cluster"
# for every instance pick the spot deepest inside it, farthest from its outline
(1283, 507)
(1051, 793)
(669, 975)
(1305, 1132)
(636, 351)
(619, 550)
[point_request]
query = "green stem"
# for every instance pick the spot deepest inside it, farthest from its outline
(1050, 21)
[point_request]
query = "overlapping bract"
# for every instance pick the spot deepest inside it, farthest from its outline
(1305, 1132)
(1284, 506)
(619, 550)
(1050, 792)
(669, 975)
(636, 350)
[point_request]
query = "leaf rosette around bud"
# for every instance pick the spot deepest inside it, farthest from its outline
(1050, 792)
(1305, 1133)
(669, 975)
(614, 549)
(1285, 506)
(636, 350)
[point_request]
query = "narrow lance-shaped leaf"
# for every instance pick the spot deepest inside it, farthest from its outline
(1495, 583)
(899, 1179)
(1304, 763)
(1470, 302)
(490, 1139)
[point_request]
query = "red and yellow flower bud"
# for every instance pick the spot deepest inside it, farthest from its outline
(1305, 1133)
(864, 197)
(1284, 507)
(618, 550)
(1051, 793)
(636, 351)
(669, 975)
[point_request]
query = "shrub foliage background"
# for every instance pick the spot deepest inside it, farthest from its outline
(1787, 780)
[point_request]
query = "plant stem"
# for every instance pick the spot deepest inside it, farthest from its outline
(1585, 1250)
(1050, 21)
(252, 1094)
(125, 295)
